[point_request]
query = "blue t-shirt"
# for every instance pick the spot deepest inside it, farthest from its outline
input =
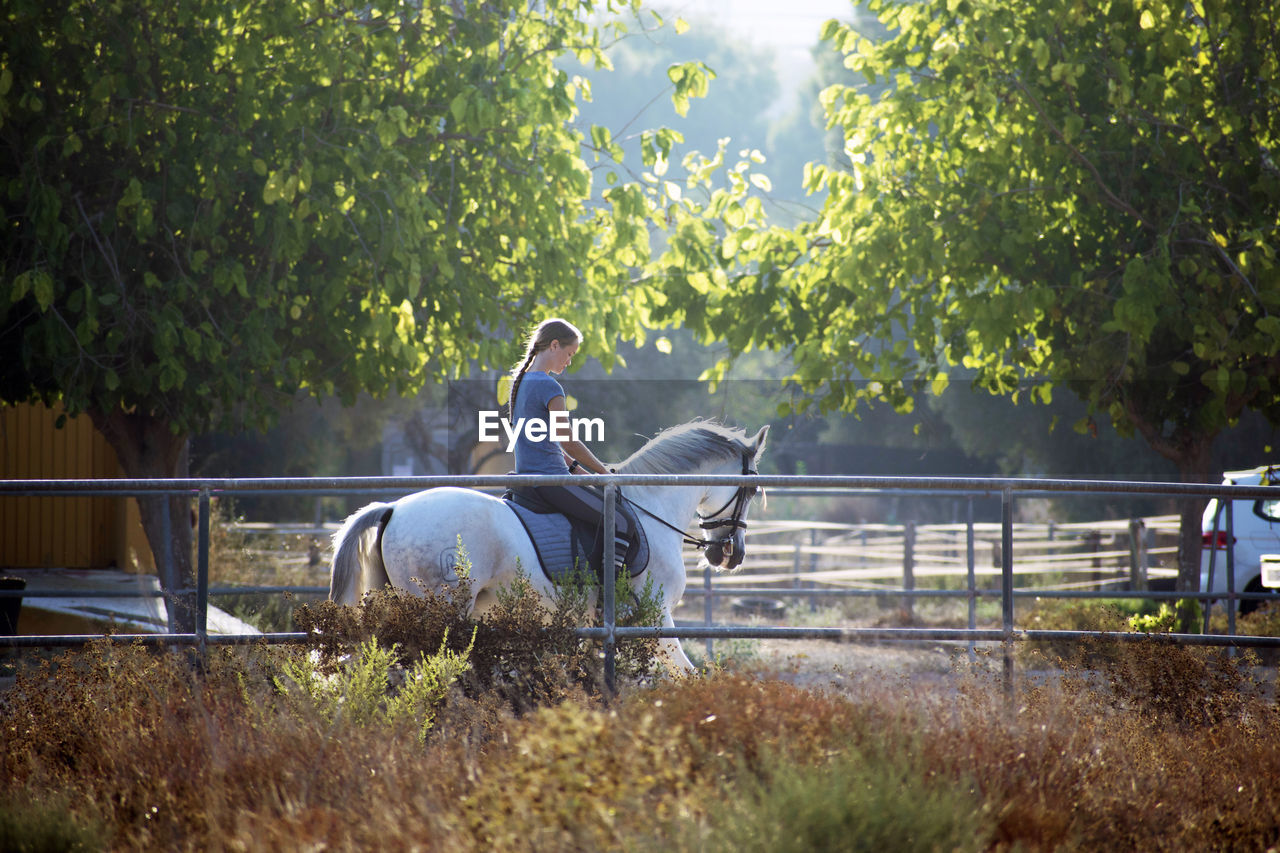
(537, 389)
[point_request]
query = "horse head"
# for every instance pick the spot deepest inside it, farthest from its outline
(726, 523)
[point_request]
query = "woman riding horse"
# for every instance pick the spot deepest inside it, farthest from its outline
(535, 395)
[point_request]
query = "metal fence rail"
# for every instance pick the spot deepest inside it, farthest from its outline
(202, 490)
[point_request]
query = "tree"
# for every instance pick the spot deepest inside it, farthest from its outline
(1063, 195)
(632, 95)
(209, 207)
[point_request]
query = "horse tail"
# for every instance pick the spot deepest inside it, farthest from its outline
(357, 554)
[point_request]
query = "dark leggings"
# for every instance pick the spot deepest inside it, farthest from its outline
(582, 502)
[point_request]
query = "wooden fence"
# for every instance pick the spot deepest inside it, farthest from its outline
(1049, 556)
(1085, 555)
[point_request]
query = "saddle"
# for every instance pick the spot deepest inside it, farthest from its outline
(565, 544)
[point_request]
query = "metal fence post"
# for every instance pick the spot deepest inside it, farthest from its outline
(1006, 586)
(708, 610)
(972, 577)
(1232, 601)
(610, 588)
(170, 583)
(202, 574)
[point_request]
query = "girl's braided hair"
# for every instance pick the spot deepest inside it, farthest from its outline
(540, 338)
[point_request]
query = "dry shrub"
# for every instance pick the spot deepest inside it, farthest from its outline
(716, 763)
(525, 653)
(1263, 622)
(1178, 687)
(1091, 760)
(412, 624)
(160, 755)
(1107, 759)
(165, 756)
(854, 802)
(730, 718)
(1099, 615)
(578, 778)
(779, 767)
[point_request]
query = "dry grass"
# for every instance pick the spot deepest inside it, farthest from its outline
(1155, 748)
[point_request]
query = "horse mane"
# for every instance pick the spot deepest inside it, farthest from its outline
(683, 448)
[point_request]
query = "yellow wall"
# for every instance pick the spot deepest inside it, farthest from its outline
(77, 532)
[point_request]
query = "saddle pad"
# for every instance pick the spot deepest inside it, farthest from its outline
(562, 545)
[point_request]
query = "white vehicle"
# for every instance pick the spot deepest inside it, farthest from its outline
(1256, 528)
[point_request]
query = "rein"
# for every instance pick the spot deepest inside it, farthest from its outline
(739, 502)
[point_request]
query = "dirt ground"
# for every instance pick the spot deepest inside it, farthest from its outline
(826, 663)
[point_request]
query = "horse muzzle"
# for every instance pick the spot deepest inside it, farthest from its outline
(726, 554)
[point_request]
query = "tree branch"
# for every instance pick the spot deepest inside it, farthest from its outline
(1115, 200)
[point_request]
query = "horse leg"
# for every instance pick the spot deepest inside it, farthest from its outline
(677, 661)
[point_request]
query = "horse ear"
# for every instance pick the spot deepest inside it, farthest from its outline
(758, 441)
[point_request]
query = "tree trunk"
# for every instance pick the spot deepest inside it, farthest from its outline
(1194, 466)
(1190, 450)
(147, 448)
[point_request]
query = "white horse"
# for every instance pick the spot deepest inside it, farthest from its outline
(420, 533)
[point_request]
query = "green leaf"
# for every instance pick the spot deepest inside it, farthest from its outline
(21, 284)
(132, 195)
(42, 289)
(388, 133)
(273, 190)
(735, 216)
(1269, 326)
(458, 108)
(1040, 51)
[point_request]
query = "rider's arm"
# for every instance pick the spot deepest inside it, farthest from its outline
(574, 449)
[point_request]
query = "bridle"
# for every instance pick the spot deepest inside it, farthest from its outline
(736, 521)
(739, 502)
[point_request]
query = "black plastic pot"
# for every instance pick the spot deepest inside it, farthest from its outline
(10, 607)
(767, 608)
